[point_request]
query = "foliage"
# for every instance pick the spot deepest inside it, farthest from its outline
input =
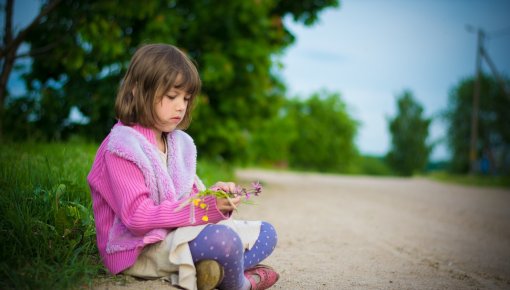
(324, 134)
(235, 45)
(11, 40)
(211, 171)
(314, 133)
(47, 231)
(493, 125)
(271, 142)
(409, 131)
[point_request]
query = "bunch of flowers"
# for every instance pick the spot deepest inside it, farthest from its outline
(198, 199)
(256, 189)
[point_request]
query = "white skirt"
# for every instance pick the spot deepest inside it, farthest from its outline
(171, 258)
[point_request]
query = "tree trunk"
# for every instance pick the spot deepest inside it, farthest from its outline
(7, 61)
(4, 77)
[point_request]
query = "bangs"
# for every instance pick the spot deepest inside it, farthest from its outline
(188, 81)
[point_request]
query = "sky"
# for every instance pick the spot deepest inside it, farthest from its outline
(370, 51)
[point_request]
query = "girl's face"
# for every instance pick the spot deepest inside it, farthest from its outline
(170, 110)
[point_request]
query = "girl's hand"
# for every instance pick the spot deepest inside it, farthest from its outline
(224, 186)
(227, 205)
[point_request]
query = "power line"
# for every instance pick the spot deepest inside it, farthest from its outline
(499, 33)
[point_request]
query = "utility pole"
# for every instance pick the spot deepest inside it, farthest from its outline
(481, 53)
(473, 149)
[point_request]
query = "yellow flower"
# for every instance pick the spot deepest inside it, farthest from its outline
(203, 205)
(205, 218)
(196, 201)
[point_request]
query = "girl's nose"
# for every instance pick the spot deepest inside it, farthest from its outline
(182, 104)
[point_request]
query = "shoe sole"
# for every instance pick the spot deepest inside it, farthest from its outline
(209, 274)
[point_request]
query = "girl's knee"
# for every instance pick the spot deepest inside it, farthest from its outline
(268, 237)
(224, 237)
(218, 242)
(268, 233)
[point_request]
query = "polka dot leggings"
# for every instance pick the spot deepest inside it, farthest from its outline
(221, 243)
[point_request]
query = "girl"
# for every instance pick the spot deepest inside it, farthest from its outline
(145, 171)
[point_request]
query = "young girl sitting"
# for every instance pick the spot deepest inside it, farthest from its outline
(143, 176)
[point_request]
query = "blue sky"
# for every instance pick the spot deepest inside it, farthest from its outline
(371, 50)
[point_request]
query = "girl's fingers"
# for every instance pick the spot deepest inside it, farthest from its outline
(231, 203)
(225, 186)
(231, 187)
(228, 204)
(236, 200)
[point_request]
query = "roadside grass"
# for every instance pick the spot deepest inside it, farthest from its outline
(46, 222)
(471, 180)
(47, 230)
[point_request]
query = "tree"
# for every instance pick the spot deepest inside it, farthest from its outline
(324, 134)
(11, 41)
(493, 146)
(409, 130)
(235, 45)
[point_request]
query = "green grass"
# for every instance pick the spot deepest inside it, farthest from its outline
(46, 222)
(47, 231)
(373, 165)
(471, 180)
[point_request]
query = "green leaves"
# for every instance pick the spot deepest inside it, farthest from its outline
(493, 125)
(234, 44)
(314, 134)
(71, 219)
(218, 70)
(409, 130)
(326, 134)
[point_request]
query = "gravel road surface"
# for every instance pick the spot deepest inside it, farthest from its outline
(354, 232)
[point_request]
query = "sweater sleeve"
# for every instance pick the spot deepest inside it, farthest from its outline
(131, 201)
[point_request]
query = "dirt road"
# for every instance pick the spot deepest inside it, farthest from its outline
(347, 232)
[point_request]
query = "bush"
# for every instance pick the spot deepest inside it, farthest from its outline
(325, 134)
(373, 165)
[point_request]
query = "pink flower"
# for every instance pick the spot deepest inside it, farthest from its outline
(257, 188)
(238, 191)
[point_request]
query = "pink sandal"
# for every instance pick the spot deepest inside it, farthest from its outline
(267, 275)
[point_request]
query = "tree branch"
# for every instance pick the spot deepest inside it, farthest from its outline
(14, 43)
(38, 51)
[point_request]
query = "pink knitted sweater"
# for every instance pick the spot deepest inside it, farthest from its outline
(134, 201)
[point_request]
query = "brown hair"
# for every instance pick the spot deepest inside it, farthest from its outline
(153, 71)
